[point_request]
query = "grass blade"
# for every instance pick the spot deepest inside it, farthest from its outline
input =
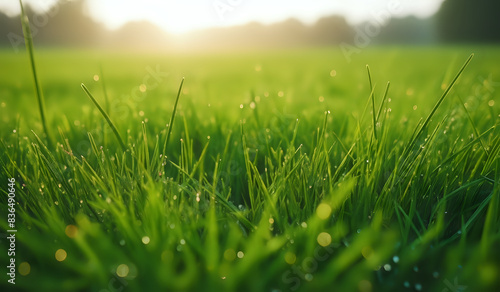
(105, 115)
(441, 99)
(105, 92)
(383, 100)
(476, 132)
(372, 95)
(28, 39)
(170, 125)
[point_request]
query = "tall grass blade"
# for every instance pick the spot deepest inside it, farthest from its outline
(441, 99)
(105, 115)
(105, 92)
(383, 100)
(170, 125)
(372, 96)
(28, 39)
(476, 132)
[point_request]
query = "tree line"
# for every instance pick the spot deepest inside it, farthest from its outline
(66, 25)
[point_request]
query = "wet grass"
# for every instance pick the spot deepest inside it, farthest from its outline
(283, 171)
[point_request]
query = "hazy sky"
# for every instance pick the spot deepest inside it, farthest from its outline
(177, 16)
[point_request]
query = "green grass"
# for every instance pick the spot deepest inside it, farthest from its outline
(284, 170)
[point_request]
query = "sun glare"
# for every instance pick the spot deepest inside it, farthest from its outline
(178, 17)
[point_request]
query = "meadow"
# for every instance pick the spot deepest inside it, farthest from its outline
(280, 170)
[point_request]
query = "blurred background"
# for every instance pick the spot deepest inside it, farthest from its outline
(248, 25)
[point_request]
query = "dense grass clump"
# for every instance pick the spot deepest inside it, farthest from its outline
(275, 171)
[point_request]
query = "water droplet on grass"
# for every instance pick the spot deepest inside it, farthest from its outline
(122, 271)
(308, 277)
(324, 239)
(61, 255)
(290, 258)
(323, 211)
(24, 268)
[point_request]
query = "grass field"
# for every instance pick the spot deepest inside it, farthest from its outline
(282, 172)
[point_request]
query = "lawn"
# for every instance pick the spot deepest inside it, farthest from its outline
(284, 170)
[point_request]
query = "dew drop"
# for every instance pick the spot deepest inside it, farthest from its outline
(24, 268)
(61, 255)
(324, 239)
(122, 271)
